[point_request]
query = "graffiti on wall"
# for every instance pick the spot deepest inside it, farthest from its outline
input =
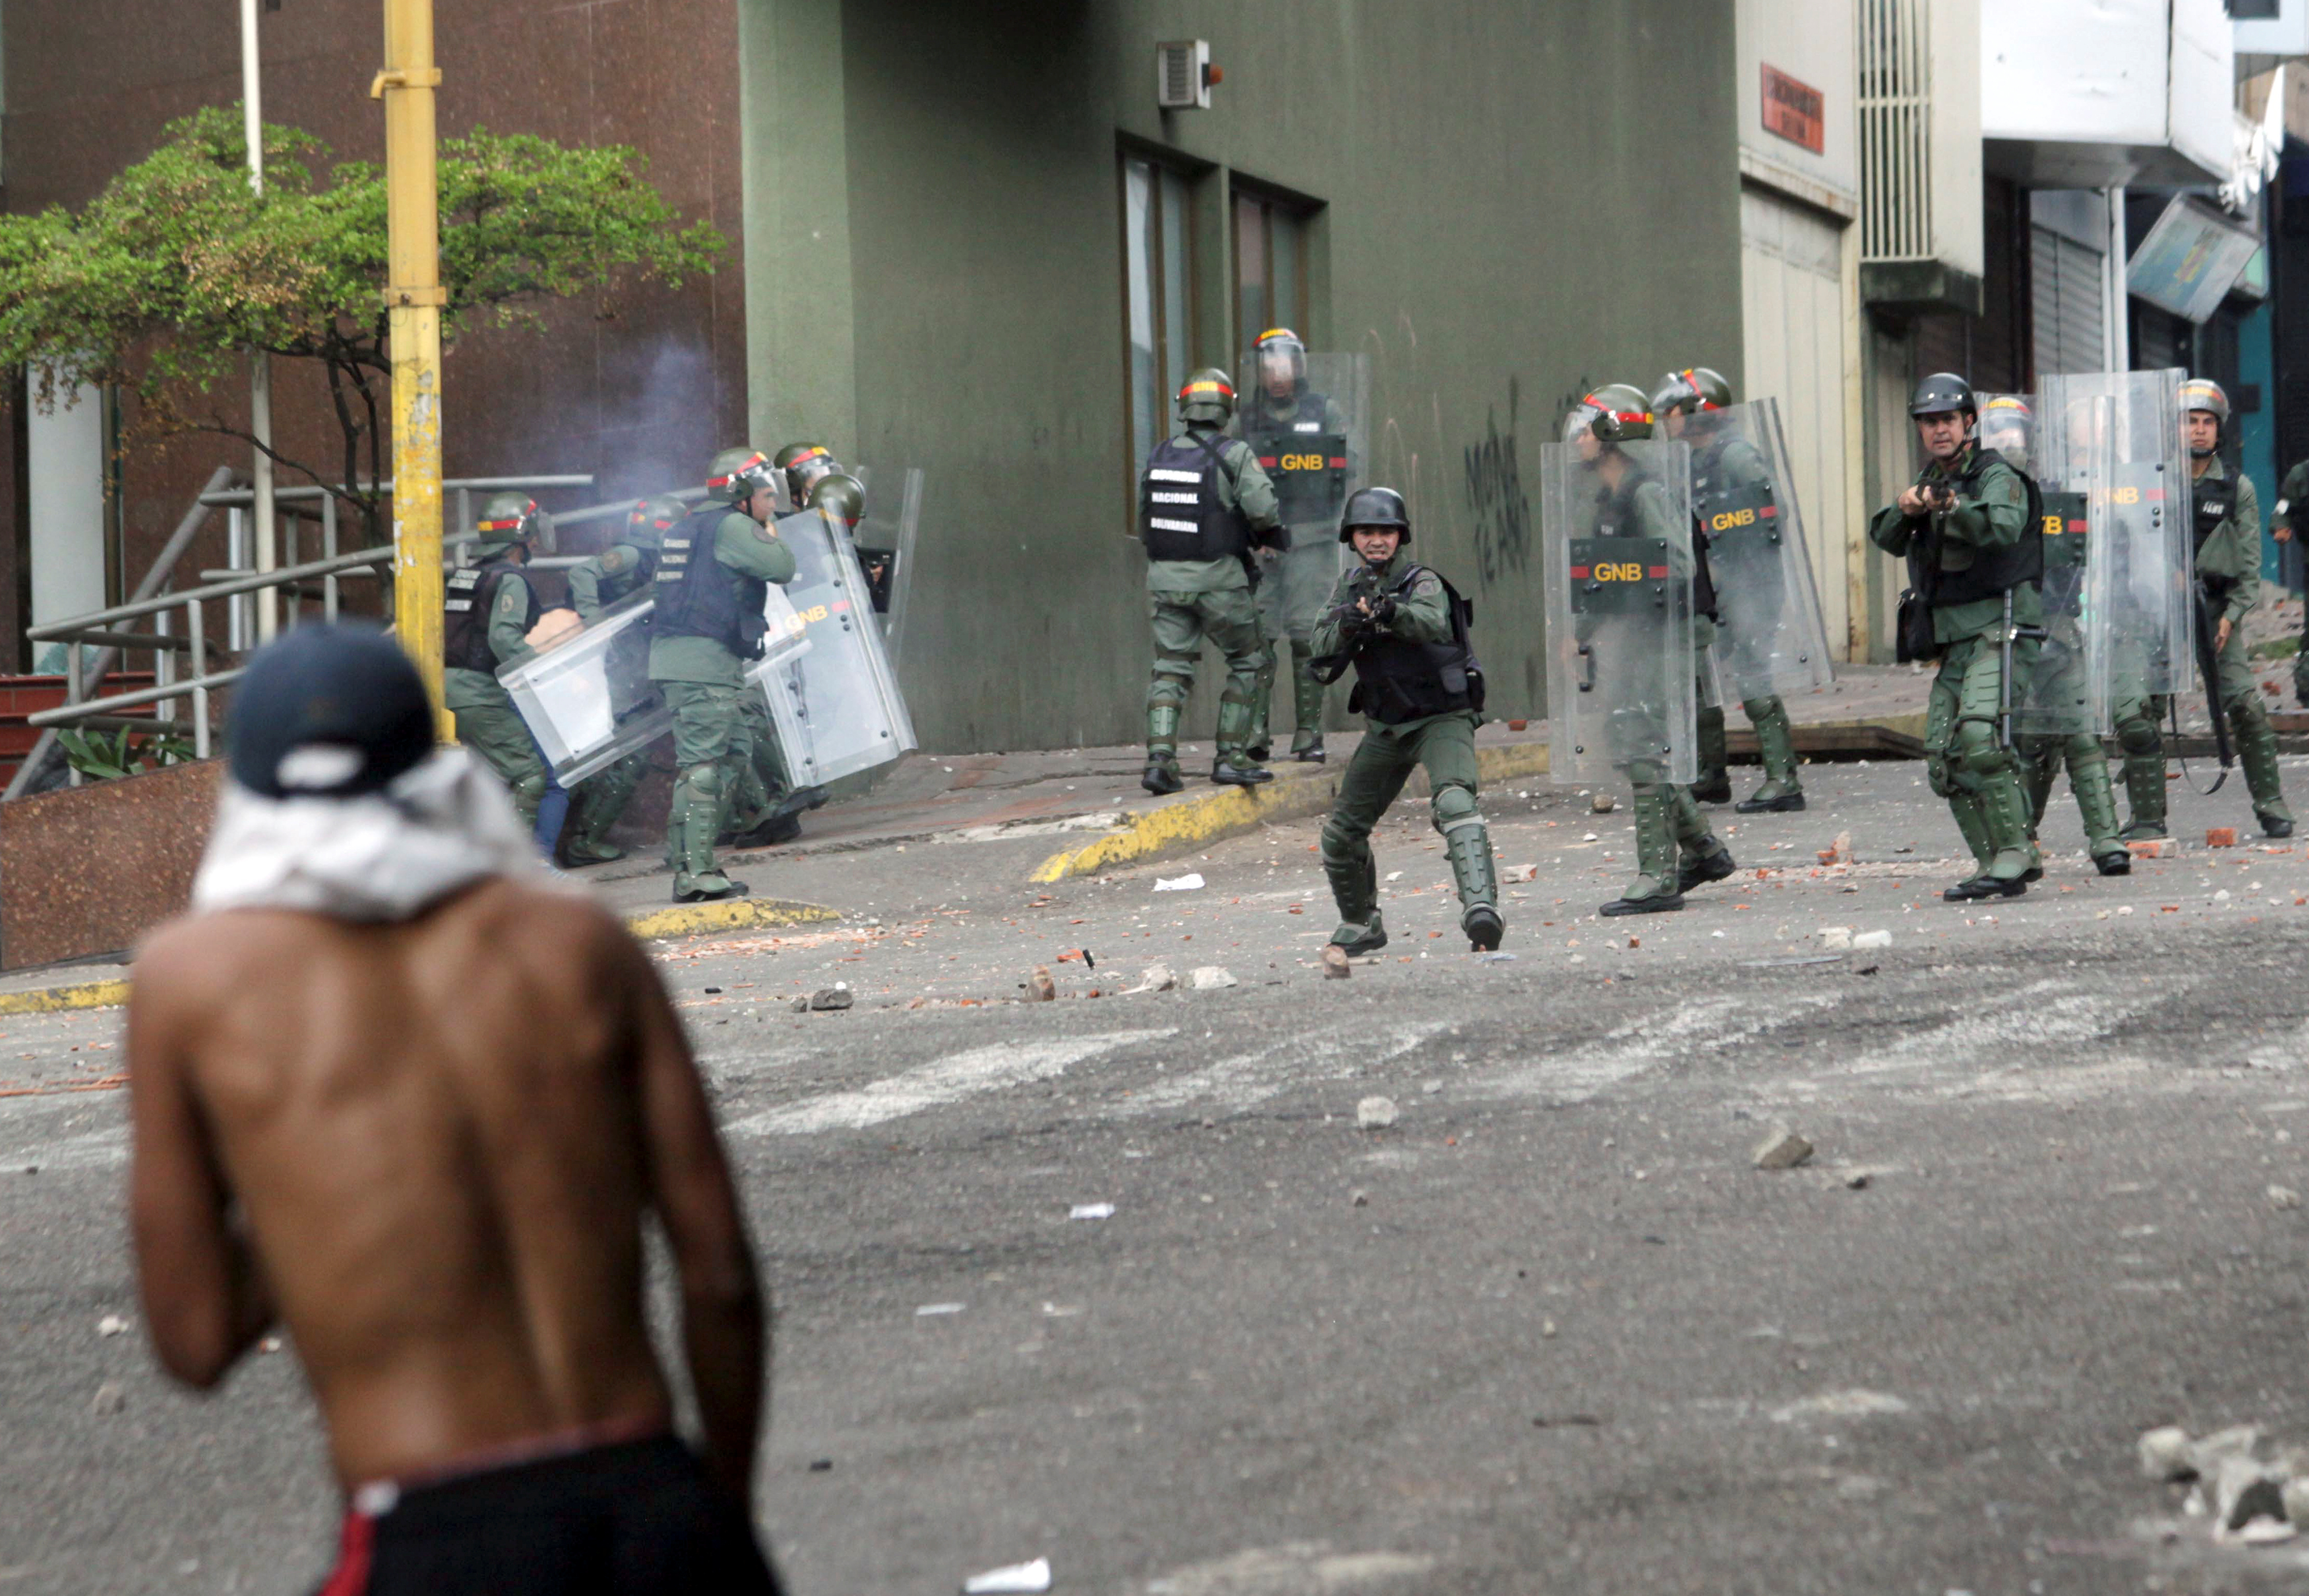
(1496, 498)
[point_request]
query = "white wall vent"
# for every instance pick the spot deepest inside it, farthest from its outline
(1183, 75)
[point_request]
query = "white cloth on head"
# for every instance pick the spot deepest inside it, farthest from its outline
(440, 826)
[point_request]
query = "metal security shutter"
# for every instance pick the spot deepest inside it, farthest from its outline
(2068, 301)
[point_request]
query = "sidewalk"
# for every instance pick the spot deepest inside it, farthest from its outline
(1086, 802)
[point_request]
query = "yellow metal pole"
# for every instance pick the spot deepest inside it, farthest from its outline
(413, 299)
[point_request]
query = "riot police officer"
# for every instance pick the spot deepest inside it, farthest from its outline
(1286, 419)
(1725, 466)
(712, 583)
(1205, 507)
(489, 609)
(1421, 693)
(1676, 851)
(1970, 529)
(2225, 520)
(802, 465)
(625, 570)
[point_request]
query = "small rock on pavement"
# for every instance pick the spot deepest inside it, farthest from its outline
(1783, 1148)
(1868, 939)
(1020, 1579)
(1040, 987)
(827, 998)
(111, 1324)
(1835, 937)
(111, 1397)
(1375, 1113)
(1210, 978)
(1521, 873)
(2221, 836)
(2245, 1489)
(1158, 979)
(1336, 965)
(2284, 1196)
(2154, 847)
(2165, 1454)
(2296, 1501)
(1602, 803)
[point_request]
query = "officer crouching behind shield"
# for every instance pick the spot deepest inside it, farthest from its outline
(1972, 535)
(1421, 693)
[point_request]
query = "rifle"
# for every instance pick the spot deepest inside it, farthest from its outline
(2208, 666)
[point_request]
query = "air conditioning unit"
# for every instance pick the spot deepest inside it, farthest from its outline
(1183, 75)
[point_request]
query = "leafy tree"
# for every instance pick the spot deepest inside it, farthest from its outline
(165, 282)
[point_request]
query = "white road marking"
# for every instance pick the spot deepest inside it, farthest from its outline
(2021, 1025)
(937, 1085)
(1707, 1024)
(1251, 1078)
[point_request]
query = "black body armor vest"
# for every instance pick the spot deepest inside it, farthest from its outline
(1180, 516)
(698, 596)
(1305, 460)
(2207, 511)
(1994, 571)
(1616, 517)
(1397, 680)
(469, 598)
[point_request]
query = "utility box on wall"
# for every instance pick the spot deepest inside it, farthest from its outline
(2097, 93)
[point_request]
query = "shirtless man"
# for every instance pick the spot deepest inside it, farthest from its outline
(347, 1118)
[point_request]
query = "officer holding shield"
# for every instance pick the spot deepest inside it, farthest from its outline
(625, 570)
(1299, 436)
(489, 609)
(1729, 476)
(1970, 529)
(711, 582)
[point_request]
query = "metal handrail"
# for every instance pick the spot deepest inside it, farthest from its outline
(96, 620)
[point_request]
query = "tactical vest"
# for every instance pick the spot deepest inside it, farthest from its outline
(1994, 571)
(1398, 680)
(698, 596)
(1729, 515)
(471, 597)
(1180, 515)
(1616, 517)
(2211, 504)
(1305, 460)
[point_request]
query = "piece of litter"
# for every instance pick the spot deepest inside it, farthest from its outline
(111, 1324)
(1375, 1113)
(1019, 1579)
(1337, 967)
(2165, 1453)
(2284, 1196)
(1395, 875)
(1782, 1149)
(1158, 979)
(111, 1397)
(931, 1310)
(1091, 1210)
(1836, 936)
(1191, 883)
(1210, 978)
(1867, 939)
(1590, 837)
(1499, 958)
(1040, 987)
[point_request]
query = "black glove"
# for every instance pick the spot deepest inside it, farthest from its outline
(1382, 609)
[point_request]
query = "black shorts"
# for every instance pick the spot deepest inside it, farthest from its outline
(639, 1516)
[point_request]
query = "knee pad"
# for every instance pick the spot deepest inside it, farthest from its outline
(1174, 681)
(1454, 806)
(1976, 749)
(703, 780)
(1342, 842)
(2139, 736)
(530, 789)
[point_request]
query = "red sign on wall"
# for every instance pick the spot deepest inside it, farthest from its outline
(1795, 111)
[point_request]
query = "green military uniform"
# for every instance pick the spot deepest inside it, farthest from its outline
(477, 641)
(2228, 568)
(1295, 585)
(596, 585)
(2060, 665)
(1735, 466)
(2291, 512)
(1395, 623)
(1190, 599)
(702, 677)
(1965, 757)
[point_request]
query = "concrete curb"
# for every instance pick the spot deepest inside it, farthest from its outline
(1187, 823)
(660, 925)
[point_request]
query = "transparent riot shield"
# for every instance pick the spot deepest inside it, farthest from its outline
(2066, 444)
(2137, 580)
(587, 697)
(1303, 415)
(1616, 523)
(837, 710)
(1771, 636)
(885, 540)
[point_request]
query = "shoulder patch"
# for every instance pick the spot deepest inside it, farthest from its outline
(612, 560)
(513, 596)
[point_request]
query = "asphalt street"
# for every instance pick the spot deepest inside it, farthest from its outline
(1548, 1331)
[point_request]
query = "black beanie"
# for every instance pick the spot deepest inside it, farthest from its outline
(328, 711)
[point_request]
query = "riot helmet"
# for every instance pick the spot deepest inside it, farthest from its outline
(1693, 389)
(2204, 393)
(649, 520)
(1281, 363)
(2008, 427)
(1374, 507)
(735, 473)
(510, 518)
(803, 464)
(1614, 413)
(1943, 393)
(839, 494)
(1208, 396)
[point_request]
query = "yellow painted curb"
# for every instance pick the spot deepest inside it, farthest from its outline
(1183, 826)
(738, 914)
(52, 1000)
